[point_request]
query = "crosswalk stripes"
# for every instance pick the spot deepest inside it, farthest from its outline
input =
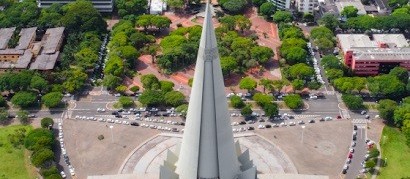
(359, 121)
(345, 114)
(306, 116)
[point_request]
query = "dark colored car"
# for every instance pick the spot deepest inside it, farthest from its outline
(339, 117)
(134, 124)
(251, 128)
(262, 120)
(355, 127)
(114, 113)
(118, 116)
(354, 138)
(344, 171)
(268, 126)
(242, 123)
(322, 119)
(312, 121)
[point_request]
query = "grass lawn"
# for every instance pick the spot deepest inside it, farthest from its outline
(14, 163)
(397, 153)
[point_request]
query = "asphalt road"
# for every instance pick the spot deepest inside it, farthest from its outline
(359, 153)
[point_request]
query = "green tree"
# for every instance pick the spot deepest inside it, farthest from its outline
(4, 116)
(3, 102)
(282, 17)
(401, 114)
(298, 84)
(52, 99)
(295, 55)
(246, 111)
(334, 74)
(325, 45)
(267, 84)
(267, 9)
(41, 157)
(24, 99)
(397, 3)
(237, 102)
(131, 7)
(352, 102)
(82, 16)
(167, 86)
(262, 99)
(150, 81)
(386, 109)
(228, 65)
(308, 17)
(86, 58)
(291, 32)
(46, 122)
(228, 22)
(111, 81)
(151, 98)
(248, 84)
(121, 89)
(22, 115)
(174, 98)
(234, 6)
(370, 164)
(190, 81)
(176, 4)
(349, 11)
(300, 71)
(401, 73)
(331, 62)
(135, 89)
(330, 21)
(386, 85)
(75, 81)
(293, 101)
(321, 32)
(126, 101)
(182, 109)
(39, 138)
(271, 109)
(38, 83)
(258, 3)
(262, 54)
(242, 22)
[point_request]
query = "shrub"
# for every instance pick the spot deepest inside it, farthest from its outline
(45, 122)
(126, 101)
(237, 102)
(293, 101)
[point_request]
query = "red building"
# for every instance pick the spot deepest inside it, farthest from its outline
(376, 54)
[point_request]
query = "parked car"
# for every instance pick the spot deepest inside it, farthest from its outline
(251, 128)
(312, 121)
(63, 175)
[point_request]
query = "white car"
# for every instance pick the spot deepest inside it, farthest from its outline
(63, 151)
(118, 121)
(261, 126)
(63, 174)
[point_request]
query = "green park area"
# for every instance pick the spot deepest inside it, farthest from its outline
(396, 151)
(14, 161)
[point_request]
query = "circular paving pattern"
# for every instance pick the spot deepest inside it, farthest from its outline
(149, 156)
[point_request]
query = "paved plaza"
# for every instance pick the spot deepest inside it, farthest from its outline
(148, 157)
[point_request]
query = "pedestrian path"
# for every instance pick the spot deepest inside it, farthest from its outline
(345, 114)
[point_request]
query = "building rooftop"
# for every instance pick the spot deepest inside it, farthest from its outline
(44, 62)
(52, 39)
(21, 63)
(27, 35)
(385, 54)
(348, 41)
(356, 3)
(5, 35)
(398, 39)
(11, 51)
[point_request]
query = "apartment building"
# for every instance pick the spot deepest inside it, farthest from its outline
(100, 5)
(281, 4)
(306, 6)
(371, 55)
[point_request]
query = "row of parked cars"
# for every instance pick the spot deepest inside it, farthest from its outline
(64, 152)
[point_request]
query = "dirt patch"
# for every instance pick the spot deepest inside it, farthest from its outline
(90, 156)
(324, 148)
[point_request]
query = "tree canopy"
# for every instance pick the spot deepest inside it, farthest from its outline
(352, 102)
(282, 17)
(24, 99)
(174, 98)
(349, 11)
(247, 83)
(293, 101)
(267, 9)
(52, 99)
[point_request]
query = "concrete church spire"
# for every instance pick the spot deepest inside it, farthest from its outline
(208, 150)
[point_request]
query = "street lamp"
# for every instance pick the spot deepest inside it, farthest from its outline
(303, 130)
(112, 134)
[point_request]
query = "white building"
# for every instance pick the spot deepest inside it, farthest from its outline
(306, 6)
(157, 6)
(281, 4)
